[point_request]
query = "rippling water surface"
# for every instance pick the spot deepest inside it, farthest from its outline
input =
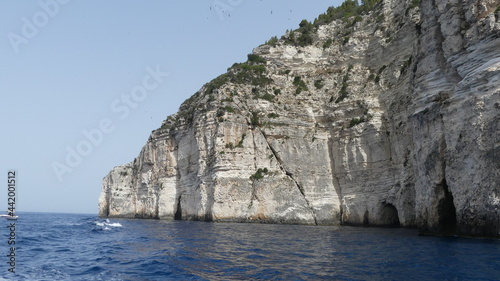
(84, 247)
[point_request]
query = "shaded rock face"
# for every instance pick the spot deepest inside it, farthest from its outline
(392, 120)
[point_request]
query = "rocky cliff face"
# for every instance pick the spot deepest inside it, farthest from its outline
(389, 118)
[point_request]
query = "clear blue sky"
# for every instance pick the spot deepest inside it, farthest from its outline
(65, 65)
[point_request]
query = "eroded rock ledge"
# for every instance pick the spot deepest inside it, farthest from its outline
(391, 118)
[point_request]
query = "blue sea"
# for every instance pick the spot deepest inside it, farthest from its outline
(85, 247)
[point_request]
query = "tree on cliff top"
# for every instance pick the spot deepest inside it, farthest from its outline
(346, 10)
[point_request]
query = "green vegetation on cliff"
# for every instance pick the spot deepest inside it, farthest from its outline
(303, 36)
(250, 72)
(350, 8)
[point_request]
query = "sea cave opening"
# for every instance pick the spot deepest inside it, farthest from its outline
(178, 211)
(447, 212)
(389, 215)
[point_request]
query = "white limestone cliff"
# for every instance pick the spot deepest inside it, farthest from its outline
(389, 120)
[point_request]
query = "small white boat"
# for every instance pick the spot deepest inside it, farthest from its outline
(10, 216)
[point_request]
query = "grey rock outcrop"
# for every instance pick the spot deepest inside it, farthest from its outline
(391, 118)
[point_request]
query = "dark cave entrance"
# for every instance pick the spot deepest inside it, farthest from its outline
(178, 211)
(389, 215)
(366, 220)
(446, 211)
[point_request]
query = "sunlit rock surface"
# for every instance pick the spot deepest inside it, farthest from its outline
(390, 120)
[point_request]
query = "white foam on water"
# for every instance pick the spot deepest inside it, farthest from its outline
(107, 224)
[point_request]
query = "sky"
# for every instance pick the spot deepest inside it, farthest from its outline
(83, 83)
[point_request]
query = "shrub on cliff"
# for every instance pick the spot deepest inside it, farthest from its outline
(301, 85)
(343, 90)
(255, 58)
(350, 8)
(319, 84)
(415, 3)
(306, 30)
(216, 83)
(273, 41)
(244, 73)
(327, 43)
(267, 97)
(356, 121)
(259, 174)
(254, 120)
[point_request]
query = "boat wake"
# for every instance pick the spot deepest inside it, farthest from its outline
(106, 224)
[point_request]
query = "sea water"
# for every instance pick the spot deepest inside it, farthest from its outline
(84, 247)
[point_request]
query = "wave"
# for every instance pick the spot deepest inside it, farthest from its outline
(107, 225)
